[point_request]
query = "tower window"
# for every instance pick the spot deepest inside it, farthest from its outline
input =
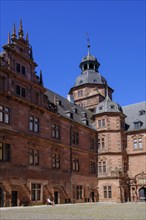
(85, 67)
(91, 66)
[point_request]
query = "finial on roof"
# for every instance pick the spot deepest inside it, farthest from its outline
(106, 92)
(27, 38)
(31, 53)
(88, 44)
(14, 32)
(41, 78)
(9, 39)
(21, 34)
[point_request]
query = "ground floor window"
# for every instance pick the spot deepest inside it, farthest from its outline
(36, 192)
(79, 192)
(107, 190)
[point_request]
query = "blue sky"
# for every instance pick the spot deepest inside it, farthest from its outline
(57, 32)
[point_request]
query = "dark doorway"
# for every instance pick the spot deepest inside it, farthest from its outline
(92, 196)
(142, 194)
(1, 197)
(14, 198)
(56, 197)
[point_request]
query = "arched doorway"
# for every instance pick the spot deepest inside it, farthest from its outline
(1, 197)
(142, 194)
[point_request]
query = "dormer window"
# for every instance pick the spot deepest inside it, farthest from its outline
(58, 102)
(84, 114)
(137, 124)
(75, 110)
(69, 114)
(142, 112)
(112, 106)
(100, 107)
(94, 80)
(81, 81)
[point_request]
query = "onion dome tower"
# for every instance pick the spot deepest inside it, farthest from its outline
(90, 85)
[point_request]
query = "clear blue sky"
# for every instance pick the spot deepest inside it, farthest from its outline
(57, 32)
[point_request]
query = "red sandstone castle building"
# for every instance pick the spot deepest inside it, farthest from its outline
(86, 148)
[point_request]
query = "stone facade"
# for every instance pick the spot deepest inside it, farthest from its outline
(69, 152)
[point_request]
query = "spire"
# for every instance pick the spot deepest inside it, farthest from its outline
(21, 34)
(14, 32)
(31, 54)
(88, 44)
(9, 39)
(41, 78)
(27, 38)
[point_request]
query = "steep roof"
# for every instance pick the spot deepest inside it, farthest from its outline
(136, 116)
(71, 111)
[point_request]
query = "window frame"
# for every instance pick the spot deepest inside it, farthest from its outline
(107, 192)
(56, 160)
(75, 137)
(34, 124)
(34, 157)
(5, 152)
(75, 164)
(36, 190)
(79, 192)
(5, 114)
(56, 131)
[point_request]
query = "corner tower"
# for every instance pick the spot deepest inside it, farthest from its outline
(90, 86)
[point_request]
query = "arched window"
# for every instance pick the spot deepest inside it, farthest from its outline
(91, 66)
(85, 66)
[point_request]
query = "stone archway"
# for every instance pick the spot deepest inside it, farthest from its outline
(142, 194)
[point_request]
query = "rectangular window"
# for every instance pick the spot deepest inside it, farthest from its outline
(18, 67)
(92, 143)
(36, 192)
(137, 143)
(75, 137)
(75, 164)
(33, 124)
(102, 167)
(140, 143)
(101, 123)
(55, 131)
(56, 161)
(4, 114)
(79, 192)
(92, 167)
(107, 191)
(101, 143)
(99, 167)
(23, 70)
(20, 91)
(34, 157)
(5, 153)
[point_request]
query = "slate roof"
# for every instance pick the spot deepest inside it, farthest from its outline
(107, 105)
(136, 113)
(71, 111)
(90, 76)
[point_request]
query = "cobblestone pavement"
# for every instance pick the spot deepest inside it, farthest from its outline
(86, 211)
